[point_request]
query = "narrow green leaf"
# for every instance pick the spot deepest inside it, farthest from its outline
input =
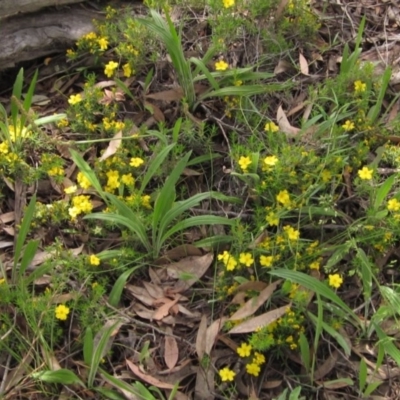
(116, 291)
(334, 333)
(154, 166)
(63, 376)
(29, 253)
(110, 394)
(17, 93)
(316, 286)
(383, 191)
(100, 346)
(305, 352)
(197, 221)
(118, 384)
(22, 234)
(167, 195)
(134, 226)
(31, 91)
(89, 174)
(88, 346)
(202, 67)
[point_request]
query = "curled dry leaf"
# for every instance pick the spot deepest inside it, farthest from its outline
(7, 217)
(140, 293)
(260, 321)
(112, 147)
(255, 303)
(148, 378)
(284, 124)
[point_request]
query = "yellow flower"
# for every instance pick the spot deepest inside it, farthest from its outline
(393, 205)
(110, 68)
(292, 233)
(103, 43)
(224, 257)
(145, 199)
(127, 179)
(360, 86)
(335, 280)
(90, 36)
(246, 259)
(283, 197)
(127, 70)
(271, 127)
(315, 265)
(266, 261)
(365, 173)
(2, 280)
(326, 175)
(244, 350)
(84, 182)
(226, 374)
(253, 369)
(94, 260)
(70, 189)
(228, 3)
(272, 219)
(231, 264)
(244, 163)
(259, 358)
(74, 99)
(4, 148)
(56, 171)
(113, 179)
(62, 312)
(348, 126)
(136, 162)
(270, 161)
(221, 65)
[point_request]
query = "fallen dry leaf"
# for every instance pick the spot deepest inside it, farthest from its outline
(7, 217)
(255, 303)
(201, 337)
(284, 124)
(140, 293)
(167, 95)
(325, 368)
(282, 67)
(163, 311)
(148, 378)
(303, 65)
(113, 146)
(189, 266)
(155, 111)
(260, 321)
(171, 352)
(212, 333)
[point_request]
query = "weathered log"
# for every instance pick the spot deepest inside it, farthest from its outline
(27, 37)
(12, 7)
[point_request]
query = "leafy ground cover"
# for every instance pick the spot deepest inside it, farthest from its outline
(204, 206)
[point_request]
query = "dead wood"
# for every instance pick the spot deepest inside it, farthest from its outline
(27, 37)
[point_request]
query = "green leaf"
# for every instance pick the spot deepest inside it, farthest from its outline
(119, 384)
(17, 93)
(375, 110)
(31, 91)
(101, 346)
(305, 352)
(88, 346)
(164, 201)
(154, 166)
(110, 394)
(22, 234)
(334, 333)
(134, 225)
(197, 221)
(116, 291)
(29, 253)
(89, 174)
(316, 286)
(387, 343)
(63, 376)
